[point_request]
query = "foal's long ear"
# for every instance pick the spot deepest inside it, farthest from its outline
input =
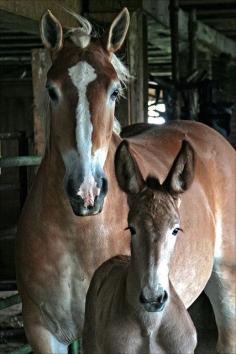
(181, 174)
(118, 31)
(127, 171)
(51, 31)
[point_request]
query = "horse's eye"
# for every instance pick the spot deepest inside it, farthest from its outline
(131, 229)
(114, 94)
(175, 231)
(52, 93)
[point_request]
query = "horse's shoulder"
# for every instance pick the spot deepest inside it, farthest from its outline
(113, 264)
(111, 268)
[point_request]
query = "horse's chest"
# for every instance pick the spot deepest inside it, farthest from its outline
(127, 338)
(62, 299)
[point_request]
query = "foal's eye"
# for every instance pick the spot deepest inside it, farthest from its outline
(132, 230)
(114, 94)
(175, 231)
(52, 93)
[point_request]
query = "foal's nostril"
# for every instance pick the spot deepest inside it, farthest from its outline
(161, 299)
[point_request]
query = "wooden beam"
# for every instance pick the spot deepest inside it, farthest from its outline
(137, 57)
(23, 15)
(20, 23)
(205, 2)
(205, 35)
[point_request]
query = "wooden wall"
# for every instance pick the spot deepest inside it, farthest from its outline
(33, 10)
(15, 115)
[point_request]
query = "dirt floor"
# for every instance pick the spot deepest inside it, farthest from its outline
(11, 320)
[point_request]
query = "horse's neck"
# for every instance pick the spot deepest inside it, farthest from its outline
(109, 164)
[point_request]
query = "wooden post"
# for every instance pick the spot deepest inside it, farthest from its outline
(23, 175)
(137, 57)
(41, 62)
(174, 26)
(192, 37)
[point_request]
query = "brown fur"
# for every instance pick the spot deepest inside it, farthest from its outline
(57, 252)
(115, 319)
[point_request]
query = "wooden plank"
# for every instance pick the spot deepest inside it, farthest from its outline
(112, 5)
(9, 301)
(10, 20)
(137, 57)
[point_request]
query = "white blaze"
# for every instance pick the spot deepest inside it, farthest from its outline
(81, 75)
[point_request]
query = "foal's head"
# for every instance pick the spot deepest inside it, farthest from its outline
(153, 221)
(83, 83)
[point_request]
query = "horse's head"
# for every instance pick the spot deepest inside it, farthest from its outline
(153, 221)
(83, 83)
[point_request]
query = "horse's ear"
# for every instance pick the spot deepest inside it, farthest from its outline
(128, 174)
(118, 31)
(51, 31)
(181, 174)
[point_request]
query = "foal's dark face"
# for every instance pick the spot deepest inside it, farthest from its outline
(154, 224)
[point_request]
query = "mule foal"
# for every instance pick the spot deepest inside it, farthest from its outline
(131, 305)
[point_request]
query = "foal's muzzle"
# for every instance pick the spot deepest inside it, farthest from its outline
(77, 203)
(156, 304)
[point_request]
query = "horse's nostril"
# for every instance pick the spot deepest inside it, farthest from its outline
(104, 187)
(162, 298)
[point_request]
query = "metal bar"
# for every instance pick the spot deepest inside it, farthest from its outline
(12, 333)
(16, 36)
(20, 59)
(9, 187)
(18, 161)
(9, 301)
(21, 45)
(25, 349)
(75, 347)
(9, 231)
(9, 136)
(7, 285)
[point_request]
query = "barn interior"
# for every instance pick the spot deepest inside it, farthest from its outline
(182, 57)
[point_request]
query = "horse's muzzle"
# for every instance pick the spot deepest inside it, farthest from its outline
(155, 304)
(78, 205)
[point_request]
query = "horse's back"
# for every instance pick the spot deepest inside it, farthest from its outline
(157, 145)
(207, 209)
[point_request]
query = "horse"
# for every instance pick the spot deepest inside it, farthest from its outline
(75, 214)
(131, 305)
